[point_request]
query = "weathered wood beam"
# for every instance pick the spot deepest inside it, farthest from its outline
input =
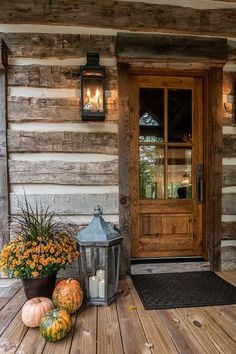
(124, 163)
(97, 142)
(61, 172)
(229, 176)
(136, 16)
(228, 230)
(30, 45)
(229, 145)
(53, 76)
(214, 163)
(68, 204)
(54, 110)
(228, 204)
(4, 202)
(165, 47)
(228, 256)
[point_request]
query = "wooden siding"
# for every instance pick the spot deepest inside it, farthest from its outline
(67, 141)
(69, 204)
(61, 172)
(44, 119)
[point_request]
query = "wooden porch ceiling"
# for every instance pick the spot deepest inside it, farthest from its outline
(123, 327)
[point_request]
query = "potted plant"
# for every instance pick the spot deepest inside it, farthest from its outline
(41, 248)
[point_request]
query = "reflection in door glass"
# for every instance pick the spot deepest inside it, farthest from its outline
(151, 172)
(179, 115)
(151, 120)
(179, 173)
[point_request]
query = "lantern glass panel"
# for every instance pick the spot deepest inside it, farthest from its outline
(113, 271)
(93, 94)
(95, 259)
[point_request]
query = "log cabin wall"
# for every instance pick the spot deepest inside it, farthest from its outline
(72, 165)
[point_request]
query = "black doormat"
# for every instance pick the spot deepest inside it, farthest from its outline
(189, 289)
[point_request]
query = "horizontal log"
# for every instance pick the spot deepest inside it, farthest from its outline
(228, 204)
(68, 204)
(164, 47)
(228, 230)
(229, 176)
(45, 45)
(20, 141)
(136, 16)
(54, 76)
(229, 145)
(228, 258)
(61, 172)
(22, 109)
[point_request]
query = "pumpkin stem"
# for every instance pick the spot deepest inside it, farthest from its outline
(69, 280)
(38, 300)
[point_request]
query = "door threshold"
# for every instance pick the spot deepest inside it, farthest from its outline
(167, 260)
(169, 265)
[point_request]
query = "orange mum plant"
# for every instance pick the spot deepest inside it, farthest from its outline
(43, 245)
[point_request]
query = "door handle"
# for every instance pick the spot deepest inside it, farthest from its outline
(199, 183)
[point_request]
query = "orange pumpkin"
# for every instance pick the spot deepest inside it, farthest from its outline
(34, 309)
(68, 295)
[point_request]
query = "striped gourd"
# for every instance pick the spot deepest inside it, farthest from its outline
(55, 325)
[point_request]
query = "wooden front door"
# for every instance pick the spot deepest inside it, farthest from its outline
(166, 148)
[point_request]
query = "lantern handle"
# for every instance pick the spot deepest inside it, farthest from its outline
(98, 211)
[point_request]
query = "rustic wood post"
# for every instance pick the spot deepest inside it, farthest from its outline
(4, 192)
(124, 165)
(214, 177)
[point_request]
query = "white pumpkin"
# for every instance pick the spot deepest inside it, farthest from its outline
(34, 309)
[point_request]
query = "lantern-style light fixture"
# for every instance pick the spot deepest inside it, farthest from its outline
(99, 246)
(93, 89)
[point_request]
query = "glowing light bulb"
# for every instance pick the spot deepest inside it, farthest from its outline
(97, 93)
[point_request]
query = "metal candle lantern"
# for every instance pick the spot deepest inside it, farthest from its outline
(93, 89)
(99, 245)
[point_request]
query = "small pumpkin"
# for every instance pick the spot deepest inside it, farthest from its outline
(34, 309)
(68, 295)
(55, 325)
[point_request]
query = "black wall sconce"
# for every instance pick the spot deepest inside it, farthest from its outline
(93, 89)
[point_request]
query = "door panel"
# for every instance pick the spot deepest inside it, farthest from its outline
(166, 148)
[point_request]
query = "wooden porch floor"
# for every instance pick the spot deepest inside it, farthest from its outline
(123, 327)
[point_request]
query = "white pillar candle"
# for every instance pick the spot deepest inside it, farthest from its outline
(93, 286)
(100, 274)
(101, 288)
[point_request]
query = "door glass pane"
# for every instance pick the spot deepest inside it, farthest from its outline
(179, 115)
(151, 120)
(179, 173)
(151, 172)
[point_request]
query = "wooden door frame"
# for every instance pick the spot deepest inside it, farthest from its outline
(212, 77)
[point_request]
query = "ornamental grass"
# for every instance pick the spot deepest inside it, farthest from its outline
(42, 246)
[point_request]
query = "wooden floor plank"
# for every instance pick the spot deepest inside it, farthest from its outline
(13, 335)
(226, 326)
(6, 293)
(32, 343)
(84, 339)
(153, 327)
(229, 312)
(201, 319)
(197, 331)
(132, 332)
(180, 333)
(10, 310)
(108, 331)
